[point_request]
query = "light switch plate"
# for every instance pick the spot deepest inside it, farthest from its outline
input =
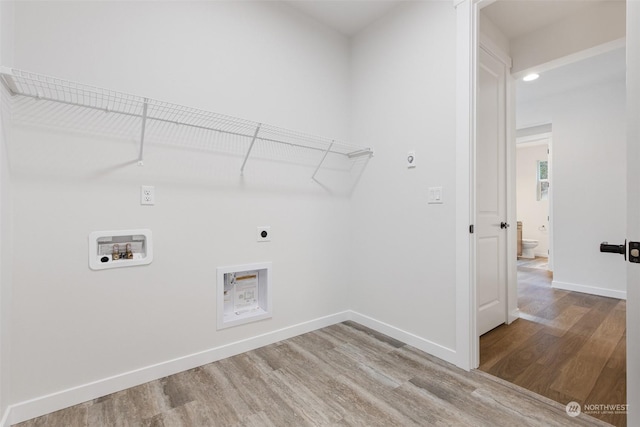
(435, 195)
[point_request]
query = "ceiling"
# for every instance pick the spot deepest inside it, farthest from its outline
(531, 14)
(607, 66)
(347, 17)
(350, 16)
(516, 18)
(513, 17)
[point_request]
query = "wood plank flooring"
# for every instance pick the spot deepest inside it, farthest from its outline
(537, 262)
(342, 375)
(567, 346)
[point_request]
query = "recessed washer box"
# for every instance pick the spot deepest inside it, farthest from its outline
(243, 294)
(120, 248)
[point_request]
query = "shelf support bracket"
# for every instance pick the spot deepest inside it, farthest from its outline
(144, 124)
(246, 156)
(8, 80)
(360, 153)
(322, 161)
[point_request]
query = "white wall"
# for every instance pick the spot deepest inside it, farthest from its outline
(6, 58)
(531, 211)
(228, 57)
(259, 60)
(600, 23)
(489, 31)
(403, 80)
(589, 184)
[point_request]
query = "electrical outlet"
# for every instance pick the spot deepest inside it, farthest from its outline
(264, 234)
(147, 195)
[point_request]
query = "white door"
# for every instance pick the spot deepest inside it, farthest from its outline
(633, 210)
(491, 204)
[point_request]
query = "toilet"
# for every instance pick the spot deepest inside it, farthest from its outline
(527, 248)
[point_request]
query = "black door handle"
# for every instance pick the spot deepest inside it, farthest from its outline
(504, 225)
(614, 249)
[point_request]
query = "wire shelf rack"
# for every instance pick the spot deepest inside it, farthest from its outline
(153, 115)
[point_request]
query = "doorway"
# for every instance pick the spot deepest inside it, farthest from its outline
(467, 343)
(564, 316)
(533, 193)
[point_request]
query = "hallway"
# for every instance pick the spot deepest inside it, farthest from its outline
(567, 346)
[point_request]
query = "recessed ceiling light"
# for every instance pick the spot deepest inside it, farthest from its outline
(531, 77)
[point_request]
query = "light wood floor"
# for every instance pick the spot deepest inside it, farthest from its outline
(342, 375)
(567, 346)
(537, 262)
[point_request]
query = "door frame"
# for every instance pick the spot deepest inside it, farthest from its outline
(633, 207)
(467, 343)
(467, 53)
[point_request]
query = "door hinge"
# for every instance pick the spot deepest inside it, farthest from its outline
(471, 229)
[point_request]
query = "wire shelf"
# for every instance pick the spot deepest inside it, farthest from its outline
(155, 116)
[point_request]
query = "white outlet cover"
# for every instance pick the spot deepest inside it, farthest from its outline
(147, 195)
(266, 237)
(411, 159)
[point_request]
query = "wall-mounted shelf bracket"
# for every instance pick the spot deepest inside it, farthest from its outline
(322, 161)
(144, 124)
(359, 153)
(8, 82)
(253, 141)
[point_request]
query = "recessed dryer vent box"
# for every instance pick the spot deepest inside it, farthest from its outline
(121, 248)
(243, 294)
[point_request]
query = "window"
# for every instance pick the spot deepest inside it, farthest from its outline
(543, 179)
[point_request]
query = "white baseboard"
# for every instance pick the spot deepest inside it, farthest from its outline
(5, 418)
(63, 399)
(603, 292)
(513, 316)
(427, 346)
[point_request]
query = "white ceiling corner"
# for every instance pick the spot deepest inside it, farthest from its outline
(346, 16)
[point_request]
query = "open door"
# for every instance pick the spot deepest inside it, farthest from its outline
(491, 194)
(631, 249)
(633, 210)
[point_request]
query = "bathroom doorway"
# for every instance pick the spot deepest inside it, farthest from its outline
(534, 197)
